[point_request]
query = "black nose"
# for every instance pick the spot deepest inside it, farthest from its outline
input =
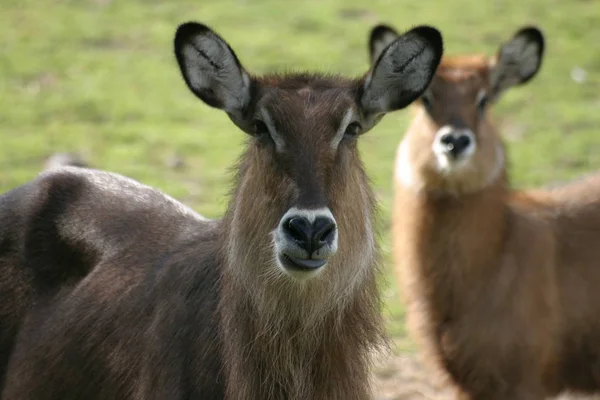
(310, 236)
(455, 144)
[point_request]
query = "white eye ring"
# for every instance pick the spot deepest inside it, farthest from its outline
(344, 125)
(481, 100)
(268, 121)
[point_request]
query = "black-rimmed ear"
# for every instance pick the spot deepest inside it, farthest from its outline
(381, 36)
(518, 60)
(211, 69)
(402, 72)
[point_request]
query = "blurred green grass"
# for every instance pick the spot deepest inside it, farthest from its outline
(98, 77)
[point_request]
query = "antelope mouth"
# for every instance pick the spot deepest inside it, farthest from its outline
(301, 264)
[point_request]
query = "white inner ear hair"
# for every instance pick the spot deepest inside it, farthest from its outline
(211, 65)
(416, 71)
(404, 67)
(529, 59)
(518, 59)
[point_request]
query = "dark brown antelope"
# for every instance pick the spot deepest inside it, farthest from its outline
(119, 292)
(501, 285)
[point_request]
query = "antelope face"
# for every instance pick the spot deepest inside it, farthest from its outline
(456, 144)
(302, 196)
(455, 105)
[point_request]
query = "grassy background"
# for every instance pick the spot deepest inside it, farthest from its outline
(98, 77)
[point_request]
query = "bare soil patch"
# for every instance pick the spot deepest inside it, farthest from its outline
(403, 377)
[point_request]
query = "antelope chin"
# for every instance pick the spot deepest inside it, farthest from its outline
(448, 165)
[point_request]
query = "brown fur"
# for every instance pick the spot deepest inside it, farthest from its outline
(500, 284)
(112, 290)
(280, 338)
(457, 68)
(298, 337)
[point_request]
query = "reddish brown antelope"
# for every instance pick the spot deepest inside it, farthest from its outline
(501, 285)
(120, 292)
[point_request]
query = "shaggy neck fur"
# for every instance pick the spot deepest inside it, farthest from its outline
(285, 339)
(445, 244)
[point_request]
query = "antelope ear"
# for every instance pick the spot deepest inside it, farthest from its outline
(381, 36)
(211, 69)
(518, 60)
(402, 72)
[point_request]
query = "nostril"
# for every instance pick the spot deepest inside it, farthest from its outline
(328, 234)
(310, 236)
(324, 232)
(298, 228)
(447, 139)
(455, 143)
(461, 143)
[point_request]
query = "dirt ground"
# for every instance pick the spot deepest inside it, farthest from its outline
(402, 377)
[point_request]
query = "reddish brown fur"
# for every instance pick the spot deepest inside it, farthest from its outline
(501, 285)
(466, 64)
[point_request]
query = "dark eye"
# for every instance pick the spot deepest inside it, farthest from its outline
(353, 129)
(259, 128)
(426, 100)
(482, 102)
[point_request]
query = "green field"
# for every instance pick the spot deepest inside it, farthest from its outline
(98, 77)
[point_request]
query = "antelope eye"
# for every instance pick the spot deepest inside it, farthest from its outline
(353, 129)
(259, 128)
